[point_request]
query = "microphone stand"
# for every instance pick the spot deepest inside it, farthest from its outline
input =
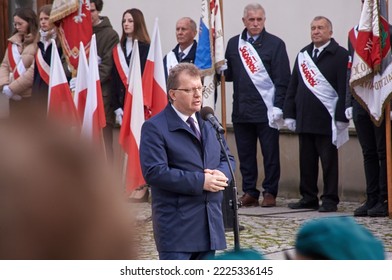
(233, 202)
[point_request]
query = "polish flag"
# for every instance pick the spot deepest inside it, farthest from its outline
(81, 83)
(131, 127)
(94, 114)
(154, 82)
(60, 104)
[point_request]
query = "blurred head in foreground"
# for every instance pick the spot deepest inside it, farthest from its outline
(57, 198)
(337, 238)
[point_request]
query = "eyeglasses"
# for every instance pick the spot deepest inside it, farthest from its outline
(192, 90)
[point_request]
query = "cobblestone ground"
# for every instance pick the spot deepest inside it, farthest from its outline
(265, 233)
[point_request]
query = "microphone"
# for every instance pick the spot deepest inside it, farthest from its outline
(207, 114)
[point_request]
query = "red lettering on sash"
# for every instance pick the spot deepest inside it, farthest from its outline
(309, 75)
(249, 59)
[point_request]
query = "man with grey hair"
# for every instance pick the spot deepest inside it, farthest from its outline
(259, 68)
(185, 50)
(314, 108)
(182, 161)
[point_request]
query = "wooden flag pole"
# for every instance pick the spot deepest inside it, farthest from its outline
(223, 83)
(388, 155)
(388, 137)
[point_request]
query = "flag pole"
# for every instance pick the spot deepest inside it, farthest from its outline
(223, 82)
(389, 154)
(388, 137)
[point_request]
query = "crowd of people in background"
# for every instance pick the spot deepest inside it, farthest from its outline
(180, 155)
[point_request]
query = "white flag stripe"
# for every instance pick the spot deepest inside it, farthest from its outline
(57, 75)
(81, 78)
(135, 88)
(156, 56)
(91, 99)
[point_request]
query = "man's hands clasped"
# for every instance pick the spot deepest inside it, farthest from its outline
(214, 180)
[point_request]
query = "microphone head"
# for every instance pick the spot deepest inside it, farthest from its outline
(205, 111)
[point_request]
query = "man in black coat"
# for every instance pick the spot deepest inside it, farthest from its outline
(259, 68)
(372, 139)
(314, 108)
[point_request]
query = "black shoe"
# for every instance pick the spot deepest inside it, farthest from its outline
(304, 205)
(362, 211)
(328, 208)
(380, 210)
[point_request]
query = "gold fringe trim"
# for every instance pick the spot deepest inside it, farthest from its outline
(364, 105)
(63, 8)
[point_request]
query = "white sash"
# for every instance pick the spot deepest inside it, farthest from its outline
(171, 61)
(322, 89)
(121, 64)
(18, 68)
(259, 76)
(43, 67)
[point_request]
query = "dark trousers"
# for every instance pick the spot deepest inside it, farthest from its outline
(313, 147)
(373, 144)
(246, 136)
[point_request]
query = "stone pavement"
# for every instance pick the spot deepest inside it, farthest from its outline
(268, 230)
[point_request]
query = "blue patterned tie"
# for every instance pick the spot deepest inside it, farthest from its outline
(181, 56)
(251, 40)
(315, 54)
(192, 124)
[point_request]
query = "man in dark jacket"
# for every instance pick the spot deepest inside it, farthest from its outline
(373, 143)
(107, 39)
(185, 50)
(259, 67)
(182, 161)
(314, 108)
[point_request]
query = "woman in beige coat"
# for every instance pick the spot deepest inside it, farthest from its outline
(17, 67)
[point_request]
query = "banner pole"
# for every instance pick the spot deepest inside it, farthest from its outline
(388, 137)
(388, 155)
(223, 82)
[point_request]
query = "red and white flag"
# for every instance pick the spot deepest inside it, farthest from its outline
(154, 82)
(210, 51)
(80, 93)
(133, 120)
(94, 114)
(371, 69)
(60, 104)
(73, 19)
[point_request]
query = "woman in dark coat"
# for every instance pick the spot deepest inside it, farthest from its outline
(133, 28)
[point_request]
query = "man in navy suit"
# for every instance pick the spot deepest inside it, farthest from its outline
(182, 160)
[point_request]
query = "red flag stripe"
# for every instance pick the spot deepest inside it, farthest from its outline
(43, 67)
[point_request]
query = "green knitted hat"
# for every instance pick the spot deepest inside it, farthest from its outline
(338, 238)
